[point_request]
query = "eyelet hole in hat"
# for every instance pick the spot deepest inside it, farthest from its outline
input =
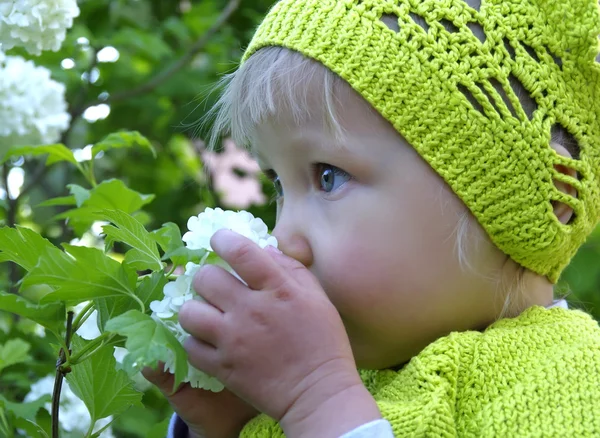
(449, 26)
(420, 21)
(531, 51)
(475, 4)
(528, 103)
(391, 21)
(562, 136)
(557, 59)
(567, 193)
(477, 30)
(502, 92)
(509, 48)
(472, 100)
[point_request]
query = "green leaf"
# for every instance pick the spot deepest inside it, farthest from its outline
(62, 200)
(148, 342)
(22, 246)
(159, 430)
(25, 410)
(79, 193)
(111, 194)
(149, 289)
(91, 274)
(181, 256)
(124, 139)
(14, 351)
(144, 253)
(104, 389)
(51, 316)
(55, 152)
(169, 239)
(33, 429)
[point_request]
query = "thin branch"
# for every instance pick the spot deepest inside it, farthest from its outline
(60, 374)
(162, 76)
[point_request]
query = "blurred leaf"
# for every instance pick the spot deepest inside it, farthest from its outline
(144, 253)
(14, 351)
(25, 410)
(33, 429)
(55, 152)
(104, 389)
(88, 274)
(149, 289)
(22, 246)
(126, 139)
(148, 342)
(51, 316)
(160, 430)
(79, 193)
(148, 44)
(62, 200)
(111, 194)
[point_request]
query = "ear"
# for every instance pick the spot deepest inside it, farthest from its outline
(563, 212)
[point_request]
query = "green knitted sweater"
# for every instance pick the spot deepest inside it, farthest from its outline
(534, 375)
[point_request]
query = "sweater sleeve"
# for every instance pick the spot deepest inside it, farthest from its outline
(373, 429)
(177, 428)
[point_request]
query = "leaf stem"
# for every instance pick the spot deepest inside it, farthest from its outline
(171, 270)
(94, 344)
(89, 354)
(60, 374)
(83, 316)
(91, 428)
(142, 305)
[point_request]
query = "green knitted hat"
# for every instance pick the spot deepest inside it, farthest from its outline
(478, 93)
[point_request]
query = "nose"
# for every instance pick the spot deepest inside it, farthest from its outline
(292, 241)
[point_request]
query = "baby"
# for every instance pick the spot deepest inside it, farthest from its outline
(437, 165)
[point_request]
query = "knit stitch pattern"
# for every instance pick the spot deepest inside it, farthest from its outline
(534, 375)
(477, 93)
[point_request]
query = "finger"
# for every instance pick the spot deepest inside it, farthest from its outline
(202, 355)
(163, 380)
(248, 260)
(292, 267)
(202, 321)
(218, 287)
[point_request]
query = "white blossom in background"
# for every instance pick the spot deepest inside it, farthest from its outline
(236, 191)
(36, 25)
(74, 415)
(201, 229)
(33, 110)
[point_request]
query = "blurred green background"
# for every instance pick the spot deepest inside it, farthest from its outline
(150, 66)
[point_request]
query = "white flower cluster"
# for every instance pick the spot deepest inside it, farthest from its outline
(33, 110)
(36, 25)
(74, 415)
(202, 228)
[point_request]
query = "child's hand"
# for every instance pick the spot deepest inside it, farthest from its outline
(278, 343)
(207, 414)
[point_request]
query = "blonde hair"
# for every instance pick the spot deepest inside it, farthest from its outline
(276, 79)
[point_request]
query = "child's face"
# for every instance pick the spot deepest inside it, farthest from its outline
(377, 226)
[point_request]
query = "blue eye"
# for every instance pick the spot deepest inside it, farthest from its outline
(278, 186)
(330, 177)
